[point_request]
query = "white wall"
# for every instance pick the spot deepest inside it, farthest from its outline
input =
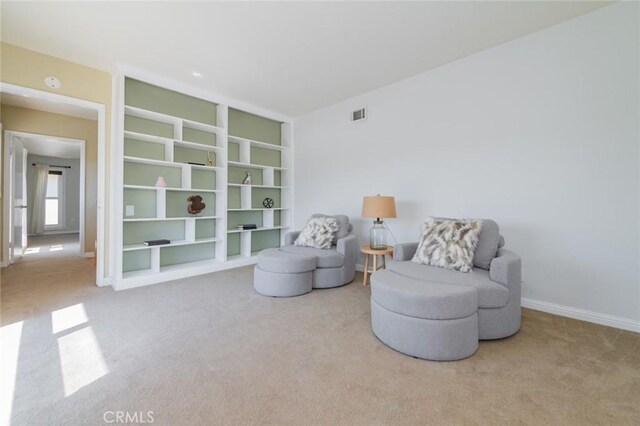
(72, 195)
(540, 134)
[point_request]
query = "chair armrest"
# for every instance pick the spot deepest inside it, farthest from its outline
(348, 247)
(404, 251)
(347, 244)
(290, 237)
(506, 269)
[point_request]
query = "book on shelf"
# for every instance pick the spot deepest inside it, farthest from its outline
(247, 226)
(156, 242)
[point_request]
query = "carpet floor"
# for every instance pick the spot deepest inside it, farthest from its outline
(209, 350)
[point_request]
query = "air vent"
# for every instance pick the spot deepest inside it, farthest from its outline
(359, 114)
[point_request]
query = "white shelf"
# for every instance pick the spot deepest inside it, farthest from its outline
(235, 231)
(155, 188)
(169, 119)
(257, 186)
(147, 138)
(132, 247)
(180, 267)
(257, 144)
(198, 146)
(256, 210)
(159, 219)
(151, 162)
(253, 166)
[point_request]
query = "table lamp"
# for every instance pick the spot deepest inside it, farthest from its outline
(378, 207)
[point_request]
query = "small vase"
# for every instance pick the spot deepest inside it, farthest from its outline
(161, 183)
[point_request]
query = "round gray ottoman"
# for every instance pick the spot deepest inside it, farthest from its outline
(281, 274)
(427, 320)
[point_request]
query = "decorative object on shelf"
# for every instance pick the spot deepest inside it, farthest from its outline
(247, 226)
(195, 205)
(209, 158)
(195, 164)
(268, 203)
(378, 207)
(247, 178)
(161, 183)
(156, 242)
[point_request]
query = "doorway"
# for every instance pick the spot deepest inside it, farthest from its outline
(93, 241)
(48, 195)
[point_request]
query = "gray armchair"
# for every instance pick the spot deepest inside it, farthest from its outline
(336, 266)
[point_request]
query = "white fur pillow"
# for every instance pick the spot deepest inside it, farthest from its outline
(448, 243)
(318, 232)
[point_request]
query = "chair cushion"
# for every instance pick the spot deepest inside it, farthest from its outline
(343, 220)
(418, 299)
(324, 258)
(490, 293)
(274, 260)
(488, 242)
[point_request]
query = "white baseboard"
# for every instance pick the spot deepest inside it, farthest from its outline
(89, 254)
(359, 267)
(581, 314)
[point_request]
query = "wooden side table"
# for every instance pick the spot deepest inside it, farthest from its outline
(368, 251)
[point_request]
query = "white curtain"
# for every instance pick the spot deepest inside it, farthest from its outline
(36, 226)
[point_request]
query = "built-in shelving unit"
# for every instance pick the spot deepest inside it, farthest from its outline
(163, 133)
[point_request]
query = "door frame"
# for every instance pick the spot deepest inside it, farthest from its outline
(8, 136)
(101, 279)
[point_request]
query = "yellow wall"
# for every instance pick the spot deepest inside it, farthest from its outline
(46, 123)
(27, 68)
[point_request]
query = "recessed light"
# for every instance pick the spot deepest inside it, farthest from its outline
(196, 74)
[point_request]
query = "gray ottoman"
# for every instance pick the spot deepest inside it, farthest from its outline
(282, 274)
(426, 320)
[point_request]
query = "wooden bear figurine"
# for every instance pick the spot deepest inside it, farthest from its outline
(195, 205)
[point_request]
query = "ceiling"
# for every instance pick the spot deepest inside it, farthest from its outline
(25, 101)
(290, 57)
(50, 146)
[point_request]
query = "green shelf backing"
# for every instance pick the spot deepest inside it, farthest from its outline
(177, 203)
(158, 99)
(233, 244)
(203, 179)
(233, 197)
(136, 260)
(249, 126)
(138, 232)
(259, 194)
(265, 239)
(147, 174)
(277, 218)
(143, 201)
(148, 127)
(198, 136)
(188, 155)
(233, 152)
(265, 157)
(277, 178)
(185, 254)
(236, 218)
(205, 228)
(237, 174)
(142, 149)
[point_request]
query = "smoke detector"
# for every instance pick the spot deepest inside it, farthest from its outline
(359, 114)
(53, 82)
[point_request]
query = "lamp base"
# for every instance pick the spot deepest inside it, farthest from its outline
(378, 236)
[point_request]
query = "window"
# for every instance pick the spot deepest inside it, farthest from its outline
(54, 205)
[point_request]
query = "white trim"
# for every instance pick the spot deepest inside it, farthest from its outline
(582, 314)
(101, 280)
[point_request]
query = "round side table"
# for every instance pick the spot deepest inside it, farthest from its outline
(368, 251)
